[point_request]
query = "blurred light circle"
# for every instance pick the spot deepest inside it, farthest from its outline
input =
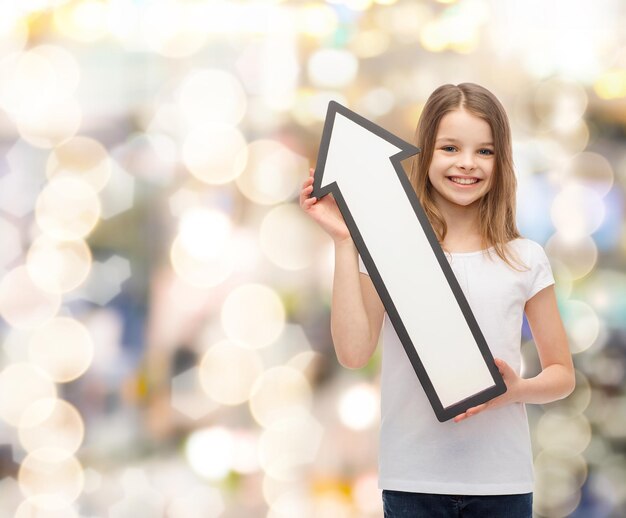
(577, 211)
(272, 173)
(67, 208)
(197, 270)
(377, 102)
(84, 21)
(51, 427)
(246, 459)
(45, 507)
(358, 406)
(433, 36)
(83, 157)
(288, 445)
(204, 232)
(285, 237)
(22, 384)
(211, 97)
(25, 72)
(23, 304)
(317, 20)
(563, 436)
(59, 480)
(588, 169)
(254, 315)
(277, 393)
(63, 348)
(173, 29)
(215, 155)
(611, 84)
(575, 138)
(311, 106)
(210, 452)
(579, 256)
(557, 484)
(559, 104)
(228, 372)
(334, 68)
(66, 70)
(51, 125)
(369, 43)
(581, 323)
(58, 266)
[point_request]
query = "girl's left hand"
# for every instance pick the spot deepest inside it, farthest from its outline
(512, 395)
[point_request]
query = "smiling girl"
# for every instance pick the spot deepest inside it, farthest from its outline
(480, 464)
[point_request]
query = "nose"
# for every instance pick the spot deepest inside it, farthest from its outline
(466, 161)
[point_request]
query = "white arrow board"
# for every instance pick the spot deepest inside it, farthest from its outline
(359, 162)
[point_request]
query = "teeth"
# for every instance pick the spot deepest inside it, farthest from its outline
(464, 181)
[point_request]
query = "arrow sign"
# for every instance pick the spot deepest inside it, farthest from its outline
(359, 162)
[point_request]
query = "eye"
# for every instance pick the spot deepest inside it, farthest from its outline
(448, 148)
(486, 152)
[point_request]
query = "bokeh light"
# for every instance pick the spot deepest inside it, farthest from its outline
(63, 348)
(285, 237)
(279, 393)
(21, 385)
(67, 208)
(253, 315)
(23, 304)
(211, 97)
(83, 157)
(358, 406)
(272, 173)
(58, 266)
(228, 372)
(51, 429)
(61, 481)
(215, 155)
(211, 452)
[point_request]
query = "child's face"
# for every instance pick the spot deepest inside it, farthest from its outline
(464, 152)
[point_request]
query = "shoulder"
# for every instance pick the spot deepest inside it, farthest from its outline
(528, 251)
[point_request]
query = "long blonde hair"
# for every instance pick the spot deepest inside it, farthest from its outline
(496, 209)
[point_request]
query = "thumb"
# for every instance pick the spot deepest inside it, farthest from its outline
(503, 367)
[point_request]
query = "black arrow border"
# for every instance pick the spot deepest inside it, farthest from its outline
(407, 150)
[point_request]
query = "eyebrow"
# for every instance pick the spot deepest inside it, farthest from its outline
(450, 139)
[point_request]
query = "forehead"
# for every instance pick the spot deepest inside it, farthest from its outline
(460, 125)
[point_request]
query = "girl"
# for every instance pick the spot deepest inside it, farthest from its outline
(479, 464)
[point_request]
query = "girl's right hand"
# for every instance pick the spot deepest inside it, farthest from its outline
(324, 211)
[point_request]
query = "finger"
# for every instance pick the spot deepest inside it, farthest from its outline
(460, 417)
(477, 409)
(311, 172)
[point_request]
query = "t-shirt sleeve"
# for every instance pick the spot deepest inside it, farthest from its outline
(540, 275)
(362, 268)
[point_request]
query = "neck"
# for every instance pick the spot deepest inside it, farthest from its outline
(462, 223)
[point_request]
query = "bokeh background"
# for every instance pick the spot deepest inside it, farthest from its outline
(165, 346)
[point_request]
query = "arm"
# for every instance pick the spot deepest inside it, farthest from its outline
(556, 379)
(356, 309)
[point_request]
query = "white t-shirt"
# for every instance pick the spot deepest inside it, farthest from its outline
(489, 453)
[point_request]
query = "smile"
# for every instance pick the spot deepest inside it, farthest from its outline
(463, 181)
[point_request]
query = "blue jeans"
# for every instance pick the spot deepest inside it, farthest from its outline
(400, 504)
